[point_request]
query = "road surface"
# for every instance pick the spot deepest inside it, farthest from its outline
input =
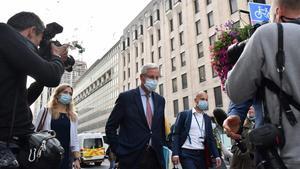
(104, 165)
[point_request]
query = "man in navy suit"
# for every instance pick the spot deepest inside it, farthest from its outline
(193, 140)
(138, 116)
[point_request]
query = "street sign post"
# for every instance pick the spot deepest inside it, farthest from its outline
(259, 12)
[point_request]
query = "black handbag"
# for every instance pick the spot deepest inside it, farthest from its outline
(7, 158)
(43, 151)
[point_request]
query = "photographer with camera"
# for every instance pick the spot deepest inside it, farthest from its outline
(244, 159)
(270, 65)
(19, 39)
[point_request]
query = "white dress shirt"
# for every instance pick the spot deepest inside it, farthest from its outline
(196, 133)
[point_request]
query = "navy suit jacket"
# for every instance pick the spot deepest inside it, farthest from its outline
(181, 132)
(128, 117)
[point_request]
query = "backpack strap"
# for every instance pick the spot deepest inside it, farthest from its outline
(285, 100)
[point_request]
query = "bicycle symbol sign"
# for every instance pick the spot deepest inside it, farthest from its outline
(259, 12)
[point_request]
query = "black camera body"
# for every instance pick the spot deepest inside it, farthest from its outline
(235, 50)
(45, 46)
(267, 139)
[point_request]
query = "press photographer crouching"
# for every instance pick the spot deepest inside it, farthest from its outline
(19, 39)
(269, 65)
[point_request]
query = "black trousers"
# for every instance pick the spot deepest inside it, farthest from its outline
(147, 160)
(192, 159)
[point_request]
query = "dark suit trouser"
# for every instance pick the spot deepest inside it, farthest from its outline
(147, 160)
(192, 159)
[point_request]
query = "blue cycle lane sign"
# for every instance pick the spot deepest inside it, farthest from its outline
(259, 12)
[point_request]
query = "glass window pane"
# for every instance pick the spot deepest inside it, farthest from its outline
(210, 17)
(218, 96)
(186, 103)
(184, 81)
(175, 107)
(202, 76)
(174, 85)
(233, 6)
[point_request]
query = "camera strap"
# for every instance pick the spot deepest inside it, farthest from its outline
(285, 100)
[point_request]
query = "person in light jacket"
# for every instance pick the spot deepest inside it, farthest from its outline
(60, 117)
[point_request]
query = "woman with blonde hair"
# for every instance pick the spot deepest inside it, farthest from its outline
(59, 116)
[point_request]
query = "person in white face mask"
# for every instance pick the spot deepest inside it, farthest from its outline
(60, 117)
(193, 139)
(138, 115)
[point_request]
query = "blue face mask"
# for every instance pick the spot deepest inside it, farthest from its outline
(150, 84)
(203, 105)
(65, 99)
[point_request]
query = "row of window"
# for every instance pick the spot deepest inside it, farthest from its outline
(135, 32)
(232, 3)
(184, 84)
(185, 101)
(202, 74)
(136, 69)
(169, 4)
(200, 53)
(172, 41)
(101, 81)
(152, 37)
(233, 9)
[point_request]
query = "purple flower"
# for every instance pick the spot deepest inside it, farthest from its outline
(233, 34)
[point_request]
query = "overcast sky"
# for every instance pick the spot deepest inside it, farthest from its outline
(97, 24)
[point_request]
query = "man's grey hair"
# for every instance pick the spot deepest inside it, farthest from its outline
(289, 4)
(148, 66)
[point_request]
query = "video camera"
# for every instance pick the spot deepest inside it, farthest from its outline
(235, 50)
(45, 46)
(267, 139)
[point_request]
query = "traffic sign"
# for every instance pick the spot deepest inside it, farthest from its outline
(259, 12)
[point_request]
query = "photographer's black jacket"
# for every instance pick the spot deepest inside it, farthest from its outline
(17, 61)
